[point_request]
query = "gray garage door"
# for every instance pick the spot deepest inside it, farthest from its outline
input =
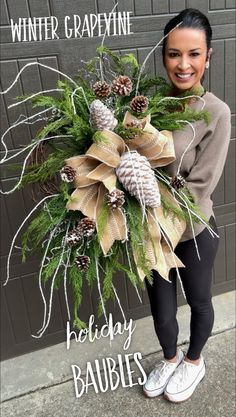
(21, 305)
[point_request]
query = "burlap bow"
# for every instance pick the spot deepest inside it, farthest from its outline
(95, 176)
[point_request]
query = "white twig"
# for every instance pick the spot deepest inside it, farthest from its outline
(72, 98)
(40, 276)
(67, 265)
(47, 210)
(32, 146)
(99, 290)
(102, 43)
(190, 143)
(193, 232)
(34, 95)
(16, 234)
(119, 303)
(114, 75)
(183, 98)
(210, 230)
(15, 124)
(52, 284)
(41, 65)
(130, 267)
(35, 121)
(149, 54)
(185, 199)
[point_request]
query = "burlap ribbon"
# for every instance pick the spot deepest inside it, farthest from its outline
(95, 176)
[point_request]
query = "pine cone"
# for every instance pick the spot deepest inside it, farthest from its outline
(67, 174)
(122, 85)
(102, 89)
(82, 262)
(115, 199)
(101, 117)
(139, 104)
(86, 227)
(73, 237)
(177, 182)
(137, 177)
(135, 123)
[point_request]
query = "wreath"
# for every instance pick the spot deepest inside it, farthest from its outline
(108, 204)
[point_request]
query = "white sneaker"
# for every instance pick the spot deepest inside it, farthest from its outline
(160, 375)
(184, 380)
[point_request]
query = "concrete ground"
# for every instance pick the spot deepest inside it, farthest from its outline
(41, 384)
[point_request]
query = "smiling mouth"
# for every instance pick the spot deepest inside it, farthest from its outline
(184, 76)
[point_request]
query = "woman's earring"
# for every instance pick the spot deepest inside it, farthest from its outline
(207, 64)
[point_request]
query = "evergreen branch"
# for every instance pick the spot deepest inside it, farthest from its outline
(130, 132)
(171, 121)
(137, 232)
(47, 169)
(129, 59)
(112, 55)
(51, 267)
(42, 224)
(79, 128)
(160, 82)
(102, 220)
(98, 137)
(52, 127)
(94, 252)
(90, 67)
(110, 269)
(171, 209)
(133, 277)
(76, 281)
(108, 291)
(47, 101)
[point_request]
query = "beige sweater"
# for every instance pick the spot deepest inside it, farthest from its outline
(204, 161)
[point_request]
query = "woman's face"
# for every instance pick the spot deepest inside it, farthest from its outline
(185, 57)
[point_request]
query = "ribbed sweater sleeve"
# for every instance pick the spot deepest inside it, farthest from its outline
(203, 163)
(211, 154)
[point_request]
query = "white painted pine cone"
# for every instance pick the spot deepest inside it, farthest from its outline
(136, 175)
(101, 117)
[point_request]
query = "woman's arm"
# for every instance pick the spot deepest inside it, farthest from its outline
(211, 157)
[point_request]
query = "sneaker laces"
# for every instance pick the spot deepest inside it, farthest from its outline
(181, 373)
(161, 369)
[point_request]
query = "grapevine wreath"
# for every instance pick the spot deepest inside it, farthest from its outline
(108, 204)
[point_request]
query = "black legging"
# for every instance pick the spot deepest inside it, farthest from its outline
(196, 278)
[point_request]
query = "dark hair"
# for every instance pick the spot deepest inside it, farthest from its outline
(190, 18)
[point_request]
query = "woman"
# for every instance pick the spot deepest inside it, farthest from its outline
(186, 55)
